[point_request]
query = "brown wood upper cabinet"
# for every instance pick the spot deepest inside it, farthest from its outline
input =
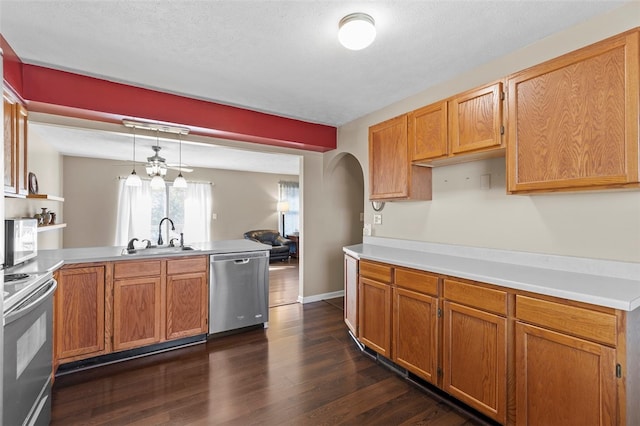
(573, 121)
(15, 146)
(391, 175)
(428, 132)
(475, 120)
(470, 122)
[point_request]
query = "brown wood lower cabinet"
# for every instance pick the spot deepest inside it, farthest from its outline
(565, 358)
(415, 333)
(351, 293)
(79, 312)
(516, 357)
(375, 316)
(187, 305)
(474, 361)
(116, 306)
(563, 380)
(136, 312)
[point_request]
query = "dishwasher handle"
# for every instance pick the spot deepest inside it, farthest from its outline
(241, 261)
(240, 257)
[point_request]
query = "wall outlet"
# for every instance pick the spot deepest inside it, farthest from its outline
(214, 216)
(366, 230)
(377, 219)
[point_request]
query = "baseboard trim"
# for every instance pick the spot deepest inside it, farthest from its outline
(319, 297)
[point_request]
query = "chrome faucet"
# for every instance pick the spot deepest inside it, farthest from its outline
(173, 228)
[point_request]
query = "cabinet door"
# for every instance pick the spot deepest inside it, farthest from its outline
(10, 154)
(21, 117)
(136, 312)
(474, 365)
(187, 305)
(573, 121)
(562, 380)
(374, 316)
(388, 159)
(79, 313)
(351, 293)
(476, 120)
(428, 132)
(415, 321)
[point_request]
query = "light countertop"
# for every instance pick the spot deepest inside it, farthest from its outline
(50, 260)
(610, 289)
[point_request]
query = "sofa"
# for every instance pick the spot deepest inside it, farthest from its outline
(279, 245)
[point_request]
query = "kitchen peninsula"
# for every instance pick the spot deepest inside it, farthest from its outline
(507, 333)
(111, 305)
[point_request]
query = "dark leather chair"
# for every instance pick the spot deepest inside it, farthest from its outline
(279, 244)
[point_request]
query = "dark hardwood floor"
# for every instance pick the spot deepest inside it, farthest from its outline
(283, 282)
(302, 370)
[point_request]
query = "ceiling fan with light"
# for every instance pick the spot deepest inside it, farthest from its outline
(156, 166)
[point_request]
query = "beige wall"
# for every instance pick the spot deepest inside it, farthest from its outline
(46, 163)
(241, 200)
(599, 225)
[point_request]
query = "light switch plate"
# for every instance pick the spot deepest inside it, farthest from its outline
(366, 230)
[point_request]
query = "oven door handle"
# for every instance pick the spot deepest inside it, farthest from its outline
(28, 305)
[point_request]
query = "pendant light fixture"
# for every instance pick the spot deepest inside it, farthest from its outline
(180, 182)
(133, 179)
(356, 31)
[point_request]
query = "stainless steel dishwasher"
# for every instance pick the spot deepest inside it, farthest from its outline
(238, 290)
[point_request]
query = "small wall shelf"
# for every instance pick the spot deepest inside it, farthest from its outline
(45, 228)
(45, 197)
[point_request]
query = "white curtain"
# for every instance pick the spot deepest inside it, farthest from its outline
(290, 192)
(134, 212)
(197, 212)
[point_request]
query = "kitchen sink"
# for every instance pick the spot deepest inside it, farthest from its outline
(152, 251)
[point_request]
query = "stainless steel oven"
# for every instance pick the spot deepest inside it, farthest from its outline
(28, 344)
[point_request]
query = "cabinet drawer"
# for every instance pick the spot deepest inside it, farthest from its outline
(581, 322)
(136, 269)
(476, 296)
(187, 265)
(417, 281)
(375, 271)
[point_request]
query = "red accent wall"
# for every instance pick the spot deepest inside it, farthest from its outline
(63, 93)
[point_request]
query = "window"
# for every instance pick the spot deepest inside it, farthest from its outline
(290, 192)
(140, 210)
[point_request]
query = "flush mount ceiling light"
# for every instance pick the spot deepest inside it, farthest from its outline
(356, 31)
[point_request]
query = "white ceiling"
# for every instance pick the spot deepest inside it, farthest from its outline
(82, 142)
(280, 57)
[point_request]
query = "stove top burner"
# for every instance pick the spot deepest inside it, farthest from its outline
(15, 277)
